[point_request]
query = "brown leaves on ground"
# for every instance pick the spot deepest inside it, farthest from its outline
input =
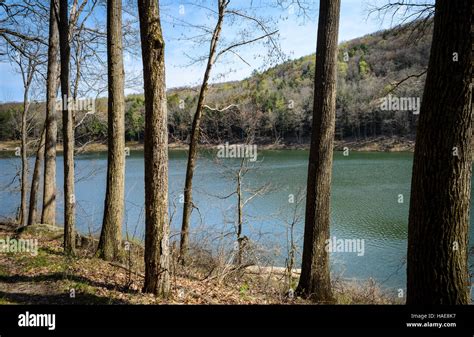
(52, 278)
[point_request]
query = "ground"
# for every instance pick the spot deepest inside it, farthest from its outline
(51, 278)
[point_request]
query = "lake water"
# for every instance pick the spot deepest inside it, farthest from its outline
(367, 204)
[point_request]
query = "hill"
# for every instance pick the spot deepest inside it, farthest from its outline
(277, 103)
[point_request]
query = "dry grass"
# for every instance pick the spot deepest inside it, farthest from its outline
(51, 278)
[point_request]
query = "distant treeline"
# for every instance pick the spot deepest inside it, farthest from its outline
(277, 103)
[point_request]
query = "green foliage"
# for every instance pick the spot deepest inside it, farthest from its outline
(134, 118)
(375, 61)
(6, 120)
(243, 290)
(92, 128)
(363, 67)
(342, 68)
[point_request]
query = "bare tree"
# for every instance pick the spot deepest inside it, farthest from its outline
(438, 227)
(24, 47)
(293, 219)
(195, 129)
(68, 130)
(243, 192)
(222, 12)
(27, 73)
(24, 158)
(244, 196)
(68, 22)
(35, 180)
(415, 16)
(25, 25)
(315, 274)
(157, 257)
(111, 235)
(412, 15)
(48, 214)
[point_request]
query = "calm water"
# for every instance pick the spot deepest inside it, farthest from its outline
(365, 204)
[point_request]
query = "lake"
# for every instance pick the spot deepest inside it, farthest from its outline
(370, 201)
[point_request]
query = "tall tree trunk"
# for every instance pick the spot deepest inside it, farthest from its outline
(157, 259)
(438, 228)
(195, 135)
(111, 235)
(48, 214)
(24, 154)
(35, 180)
(68, 131)
(315, 275)
(240, 211)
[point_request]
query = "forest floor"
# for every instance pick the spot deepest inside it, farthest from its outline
(378, 144)
(48, 277)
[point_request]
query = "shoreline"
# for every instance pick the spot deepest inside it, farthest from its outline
(379, 144)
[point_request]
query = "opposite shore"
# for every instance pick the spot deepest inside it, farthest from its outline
(379, 144)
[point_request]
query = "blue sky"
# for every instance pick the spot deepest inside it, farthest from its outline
(297, 38)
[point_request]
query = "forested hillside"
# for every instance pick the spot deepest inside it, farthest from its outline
(278, 102)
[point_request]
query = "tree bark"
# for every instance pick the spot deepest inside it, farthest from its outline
(240, 211)
(195, 134)
(315, 280)
(438, 228)
(157, 259)
(68, 131)
(111, 235)
(35, 180)
(24, 150)
(48, 214)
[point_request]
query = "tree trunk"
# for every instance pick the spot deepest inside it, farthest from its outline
(48, 214)
(240, 239)
(24, 154)
(35, 181)
(438, 228)
(68, 132)
(111, 235)
(315, 275)
(157, 259)
(195, 135)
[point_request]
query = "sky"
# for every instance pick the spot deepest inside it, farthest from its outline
(297, 38)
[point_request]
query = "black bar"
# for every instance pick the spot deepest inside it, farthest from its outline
(227, 318)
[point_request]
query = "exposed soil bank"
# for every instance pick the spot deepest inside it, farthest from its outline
(380, 144)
